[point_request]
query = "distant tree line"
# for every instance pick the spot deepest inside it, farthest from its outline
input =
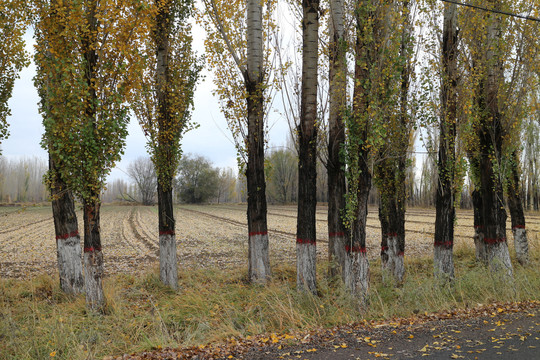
(21, 180)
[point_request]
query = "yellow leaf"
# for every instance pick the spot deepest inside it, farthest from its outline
(411, 336)
(53, 354)
(425, 348)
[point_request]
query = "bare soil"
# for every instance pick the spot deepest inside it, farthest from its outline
(207, 235)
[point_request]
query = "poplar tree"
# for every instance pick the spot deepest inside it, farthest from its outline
(237, 45)
(374, 70)
(391, 159)
(307, 151)
(86, 71)
(163, 102)
(445, 212)
(68, 241)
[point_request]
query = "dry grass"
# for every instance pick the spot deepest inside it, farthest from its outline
(37, 320)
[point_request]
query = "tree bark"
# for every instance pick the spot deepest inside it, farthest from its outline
(336, 139)
(307, 162)
(392, 214)
(168, 268)
(383, 219)
(515, 206)
(480, 246)
(445, 199)
(258, 252)
(356, 274)
(68, 240)
(93, 257)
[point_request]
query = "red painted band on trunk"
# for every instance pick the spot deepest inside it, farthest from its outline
(518, 227)
(258, 233)
(384, 248)
(444, 243)
(494, 241)
(391, 234)
(92, 249)
(67, 236)
(401, 253)
(478, 226)
(358, 248)
(306, 241)
(336, 234)
(166, 232)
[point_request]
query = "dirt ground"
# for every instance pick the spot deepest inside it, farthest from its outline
(208, 236)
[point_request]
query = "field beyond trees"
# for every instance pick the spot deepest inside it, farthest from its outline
(208, 236)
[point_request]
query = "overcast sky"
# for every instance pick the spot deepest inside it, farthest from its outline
(212, 139)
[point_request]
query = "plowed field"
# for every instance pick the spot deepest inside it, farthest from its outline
(209, 235)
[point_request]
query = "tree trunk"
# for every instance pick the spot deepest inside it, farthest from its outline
(392, 215)
(258, 254)
(356, 274)
(491, 138)
(481, 252)
(93, 257)
(385, 229)
(168, 268)
(445, 199)
(68, 240)
(336, 140)
(307, 162)
(515, 206)
(399, 226)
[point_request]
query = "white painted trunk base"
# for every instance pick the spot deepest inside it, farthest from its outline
(521, 245)
(70, 265)
(168, 270)
(480, 246)
(259, 259)
(356, 275)
(499, 259)
(395, 264)
(93, 275)
(443, 263)
(306, 279)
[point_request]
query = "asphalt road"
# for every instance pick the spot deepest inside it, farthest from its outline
(504, 336)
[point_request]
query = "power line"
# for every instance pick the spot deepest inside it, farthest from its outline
(493, 10)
